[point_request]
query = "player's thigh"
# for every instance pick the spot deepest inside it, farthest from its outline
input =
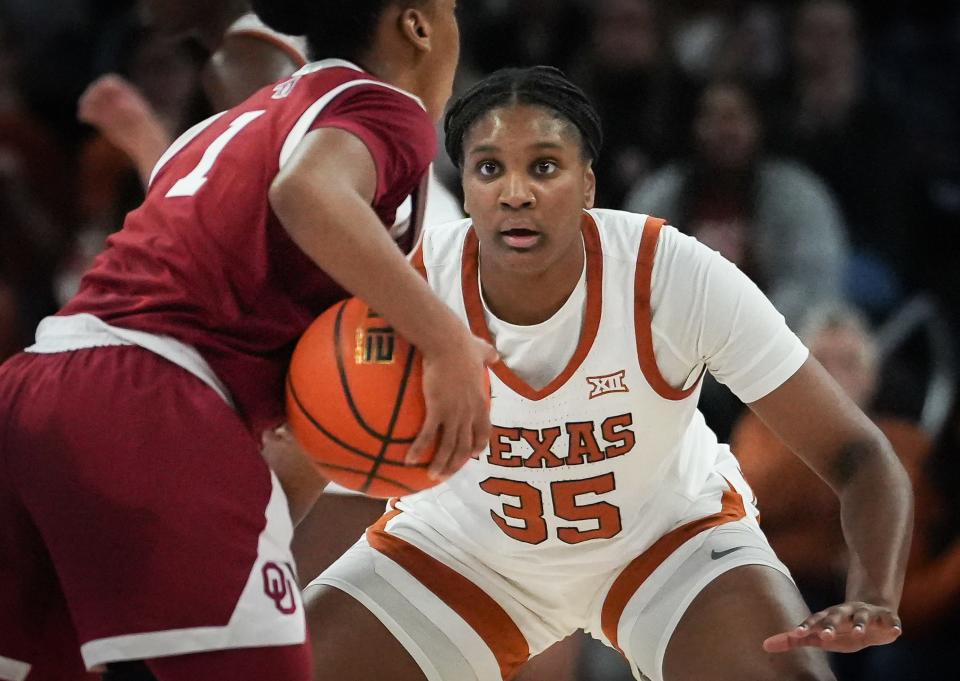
(720, 635)
(350, 643)
(168, 533)
(334, 524)
(559, 662)
(415, 610)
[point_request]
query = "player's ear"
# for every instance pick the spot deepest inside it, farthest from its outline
(589, 186)
(416, 27)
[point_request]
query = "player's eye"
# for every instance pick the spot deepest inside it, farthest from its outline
(487, 168)
(545, 167)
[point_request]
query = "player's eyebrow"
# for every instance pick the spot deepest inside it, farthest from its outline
(484, 149)
(493, 148)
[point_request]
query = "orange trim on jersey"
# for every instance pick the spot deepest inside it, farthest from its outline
(643, 315)
(296, 56)
(480, 611)
(591, 321)
(641, 567)
(416, 259)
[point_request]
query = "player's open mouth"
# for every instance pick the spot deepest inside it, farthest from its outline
(520, 238)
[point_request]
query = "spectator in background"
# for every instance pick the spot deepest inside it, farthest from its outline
(34, 205)
(931, 591)
(640, 94)
(243, 56)
(772, 218)
(158, 92)
(728, 39)
(801, 516)
(166, 86)
(500, 33)
(834, 122)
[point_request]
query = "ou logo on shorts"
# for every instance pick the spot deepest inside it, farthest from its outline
(279, 588)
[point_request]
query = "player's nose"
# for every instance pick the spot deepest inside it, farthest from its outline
(516, 191)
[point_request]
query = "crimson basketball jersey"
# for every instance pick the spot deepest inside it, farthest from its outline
(206, 261)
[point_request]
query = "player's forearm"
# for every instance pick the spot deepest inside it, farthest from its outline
(145, 156)
(341, 233)
(876, 511)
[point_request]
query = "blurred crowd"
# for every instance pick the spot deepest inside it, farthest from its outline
(815, 144)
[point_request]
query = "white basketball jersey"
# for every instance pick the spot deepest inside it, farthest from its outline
(600, 462)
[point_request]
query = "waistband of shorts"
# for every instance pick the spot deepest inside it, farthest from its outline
(85, 331)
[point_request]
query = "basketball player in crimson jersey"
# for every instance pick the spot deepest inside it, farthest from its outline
(141, 532)
(603, 501)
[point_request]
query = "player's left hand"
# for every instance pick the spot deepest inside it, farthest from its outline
(844, 628)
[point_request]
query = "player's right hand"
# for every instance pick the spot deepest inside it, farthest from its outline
(457, 394)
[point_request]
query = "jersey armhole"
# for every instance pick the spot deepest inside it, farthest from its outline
(643, 315)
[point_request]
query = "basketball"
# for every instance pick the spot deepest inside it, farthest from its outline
(355, 401)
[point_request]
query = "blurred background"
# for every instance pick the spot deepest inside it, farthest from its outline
(815, 144)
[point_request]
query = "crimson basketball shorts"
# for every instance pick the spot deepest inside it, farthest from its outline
(460, 619)
(137, 518)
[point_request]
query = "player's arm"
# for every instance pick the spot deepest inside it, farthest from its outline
(120, 112)
(813, 416)
(242, 65)
(323, 198)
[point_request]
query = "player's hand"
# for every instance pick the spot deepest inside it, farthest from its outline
(844, 628)
(299, 477)
(457, 395)
(114, 106)
(120, 112)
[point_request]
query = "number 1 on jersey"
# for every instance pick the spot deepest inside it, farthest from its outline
(189, 184)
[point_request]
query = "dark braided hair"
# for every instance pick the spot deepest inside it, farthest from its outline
(333, 28)
(543, 86)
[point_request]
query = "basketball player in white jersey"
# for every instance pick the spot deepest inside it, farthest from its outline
(604, 502)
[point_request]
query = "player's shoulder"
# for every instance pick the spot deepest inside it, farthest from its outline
(622, 231)
(341, 79)
(442, 243)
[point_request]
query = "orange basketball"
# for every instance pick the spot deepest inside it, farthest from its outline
(355, 401)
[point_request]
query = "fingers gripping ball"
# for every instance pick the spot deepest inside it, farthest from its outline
(355, 401)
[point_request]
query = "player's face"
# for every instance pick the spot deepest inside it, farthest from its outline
(526, 183)
(444, 55)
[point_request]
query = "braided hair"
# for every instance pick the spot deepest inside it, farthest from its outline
(543, 86)
(333, 28)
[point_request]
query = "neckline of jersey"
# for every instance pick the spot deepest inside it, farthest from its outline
(470, 284)
(577, 297)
